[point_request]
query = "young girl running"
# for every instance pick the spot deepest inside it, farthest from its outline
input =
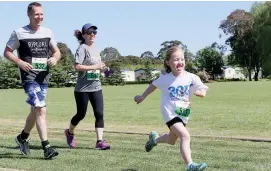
(177, 87)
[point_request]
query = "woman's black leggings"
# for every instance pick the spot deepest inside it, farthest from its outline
(96, 100)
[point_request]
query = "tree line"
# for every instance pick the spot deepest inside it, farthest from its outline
(248, 32)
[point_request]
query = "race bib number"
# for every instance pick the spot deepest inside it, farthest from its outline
(93, 75)
(182, 112)
(39, 64)
(182, 108)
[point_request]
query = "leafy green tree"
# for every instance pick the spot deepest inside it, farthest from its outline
(148, 69)
(166, 45)
(147, 54)
(9, 75)
(109, 54)
(63, 72)
(210, 60)
(238, 26)
(261, 13)
(189, 57)
(116, 78)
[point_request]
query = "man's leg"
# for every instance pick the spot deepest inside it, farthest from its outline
(41, 122)
(36, 98)
(22, 139)
(30, 121)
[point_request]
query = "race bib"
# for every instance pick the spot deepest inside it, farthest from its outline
(182, 112)
(182, 108)
(93, 75)
(39, 64)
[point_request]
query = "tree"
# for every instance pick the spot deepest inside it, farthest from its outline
(130, 60)
(148, 68)
(63, 72)
(9, 75)
(190, 61)
(250, 37)
(261, 13)
(191, 67)
(147, 54)
(239, 26)
(109, 54)
(166, 45)
(189, 57)
(221, 48)
(210, 60)
(116, 78)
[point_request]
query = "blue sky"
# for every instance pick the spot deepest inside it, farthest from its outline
(131, 27)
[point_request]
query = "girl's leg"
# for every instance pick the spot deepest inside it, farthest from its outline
(179, 130)
(155, 139)
(169, 138)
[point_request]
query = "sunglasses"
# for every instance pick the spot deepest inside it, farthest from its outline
(89, 32)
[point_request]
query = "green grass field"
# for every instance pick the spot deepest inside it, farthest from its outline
(231, 109)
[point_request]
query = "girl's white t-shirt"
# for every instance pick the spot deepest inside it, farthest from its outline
(177, 92)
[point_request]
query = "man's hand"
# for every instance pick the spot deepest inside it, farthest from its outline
(24, 65)
(52, 61)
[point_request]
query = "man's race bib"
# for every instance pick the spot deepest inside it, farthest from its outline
(39, 64)
(93, 75)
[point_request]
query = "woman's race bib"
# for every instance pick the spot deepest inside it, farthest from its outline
(93, 75)
(39, 64)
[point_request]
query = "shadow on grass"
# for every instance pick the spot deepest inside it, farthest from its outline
(65, 147)
(37, 147)
(18, 156)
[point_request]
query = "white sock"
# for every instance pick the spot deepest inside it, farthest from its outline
(155, 141)
(189, 164)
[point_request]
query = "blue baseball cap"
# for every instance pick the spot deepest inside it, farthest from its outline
(87, 26)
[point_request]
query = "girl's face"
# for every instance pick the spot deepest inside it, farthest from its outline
(176, 62)
(90, 35)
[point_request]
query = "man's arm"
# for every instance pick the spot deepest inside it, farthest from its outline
(52, 61)
(8, 53)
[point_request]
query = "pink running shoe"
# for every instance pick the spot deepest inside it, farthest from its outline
(70, 139)
(102, 145)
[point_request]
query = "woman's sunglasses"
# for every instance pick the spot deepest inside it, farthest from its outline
(89, 32)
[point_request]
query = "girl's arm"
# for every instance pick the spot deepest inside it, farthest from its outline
(199, 88)
(139, 98)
